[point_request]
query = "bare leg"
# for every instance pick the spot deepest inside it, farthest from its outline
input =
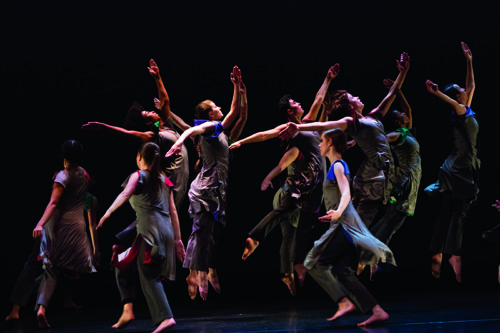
(498, 273)
(456, 263)
(203, 285)
(192, 281)
(378, 316)
(164, 325)
(214, 280)
(14, 312)
(301, 272)
(345, 306)
(126, 317)
(289, 280)
(251, 245)
(42, 319)
(436, 265)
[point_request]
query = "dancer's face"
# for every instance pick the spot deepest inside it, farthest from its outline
(325, 145)
(150, 116)
(461, 95)
(355, 103)
(402, 119)
(295, 108)
(215, 113)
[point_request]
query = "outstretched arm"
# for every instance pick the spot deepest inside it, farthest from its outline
(242, 119)
(57, 191)
(434, 89)
(291, 129)
(403, 65)
(179, 122)
(289, 156)
(142, 137)
(259, 137)
(192, 131)
(123, 197)
(470, 84)
(320, 95)
(235, 105)
(164, 106)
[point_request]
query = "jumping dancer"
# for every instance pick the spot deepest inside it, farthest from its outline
(459, 174)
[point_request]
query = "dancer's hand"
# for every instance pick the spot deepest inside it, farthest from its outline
(431, 87)
(404, 62)
(333, 72)
(497, 205)
(330, 216)
(153, 69)
(157, 103)
(37, 232)
(174, 150)
(93, 126)
(101, 222)
(467, 52)
(235, 145)
(289, 131)
(180, 251)
(387, 83)
(236, 76)
(265, 184)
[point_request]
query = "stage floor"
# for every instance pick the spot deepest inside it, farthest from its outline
(442, 311)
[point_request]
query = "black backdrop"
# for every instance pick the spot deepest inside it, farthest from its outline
(67, 63)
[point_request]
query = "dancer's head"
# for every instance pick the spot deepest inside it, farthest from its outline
(148, 157)
(454, 91)
(207, 110)
(333, 140)
(395, 119)
(139, 119)
(72, 151)
(290, 109)
(343, 104)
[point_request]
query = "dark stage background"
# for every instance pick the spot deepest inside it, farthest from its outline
(64, 64)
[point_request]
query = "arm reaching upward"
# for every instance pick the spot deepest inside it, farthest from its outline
(434, 89)
(320, 95)
(470, 84)
(404, 106)
(164, 105)
(235, 105)
(242, 119)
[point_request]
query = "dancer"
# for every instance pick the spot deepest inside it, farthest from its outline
(459, 174)
(30, 277)
(333, 260)
(207, 194)
(65, 247)
(407, 167)
(158, 240)
(371, 185)
(303, 180)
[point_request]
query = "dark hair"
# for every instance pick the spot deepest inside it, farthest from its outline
(283, 106)
(451, 90)
(339, 139)
(341, 106)
(135, 120)
(150, 153)
(72, 151)
(391, 121)
(203, 109)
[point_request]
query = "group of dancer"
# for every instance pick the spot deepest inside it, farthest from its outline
(384, 193)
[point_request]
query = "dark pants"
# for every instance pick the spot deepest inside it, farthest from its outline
(387, 226)
(336, 270)
(367, 210)
(30, 277)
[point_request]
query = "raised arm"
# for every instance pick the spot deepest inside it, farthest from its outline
(291, 129)
(164, 105)
(142, 137)
(470, 84)
(403, 65)
(235, 104)
(242, 119)
(404, 106)
(123, 197)
(259, 137)
(320, 95)
(289, 156)
(434, 89)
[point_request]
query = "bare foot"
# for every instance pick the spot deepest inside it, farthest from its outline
(126, 317)
(436, 265)
(164, 325)
(301, 272)
(289, 280)
(42, 320)
(456, 263)
(203, 285)
(213, 279)
(345, 306)
(379, 316)
(250, 247)
(14, 313)
(192, 281)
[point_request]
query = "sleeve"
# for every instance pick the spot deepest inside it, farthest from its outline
(61, 177)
